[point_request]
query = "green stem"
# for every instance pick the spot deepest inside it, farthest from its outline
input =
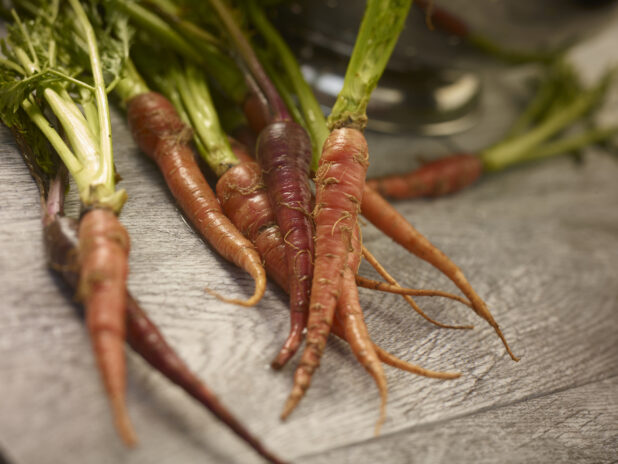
(382, 23)
(312, 112)
(171, 14)
(512, 151)
(243, 46)
(198, 104)
(24, 32)
(544, 95)
(105, 174)
(68, 158)
(219, 66)
(159, 28)
(68, 78)
(76, 129)
(511, 56)
(131, 85)
(570, 144)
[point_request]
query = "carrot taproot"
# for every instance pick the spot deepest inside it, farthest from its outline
(284, 153)
(444, 176)
(162, 135)
(339, 182)
(385, 275)
(146, 339)
(262, 229)
(61, 245)
(386, 218)
(103, 252)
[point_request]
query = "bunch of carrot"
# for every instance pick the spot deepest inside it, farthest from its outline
(271, 205)
(264, 216)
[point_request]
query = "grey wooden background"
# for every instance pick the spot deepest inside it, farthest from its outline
(540, 243)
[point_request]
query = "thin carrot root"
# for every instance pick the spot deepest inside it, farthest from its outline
(103, 254)
(161, 134)
(378, 267)
(394, 361)
(398, 363)
(371, 284)
(380, 213)
(356, 334)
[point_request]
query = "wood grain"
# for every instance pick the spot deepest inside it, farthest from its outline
(540, 243)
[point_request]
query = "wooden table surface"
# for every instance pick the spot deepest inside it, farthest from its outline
(539, 243)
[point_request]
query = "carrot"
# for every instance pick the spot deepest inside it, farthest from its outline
(441, 177)
(284, 152)
(162, 135)
(142, 334)
(103, 252)
(339, 182)
(85, 148)
(559, 103)
(378, 267)
(452, 24)
(258, 224)
(379, 212)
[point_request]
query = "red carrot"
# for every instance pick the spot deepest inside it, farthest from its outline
(258, 224)
(339, 182)
(381, 214)
(103, 252)
(146, 339)
(162, 135)
(441, 177)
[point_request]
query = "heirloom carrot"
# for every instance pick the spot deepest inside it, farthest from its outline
(160, 133)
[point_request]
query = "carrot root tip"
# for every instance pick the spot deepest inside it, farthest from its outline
(123, 422)
(252, 301)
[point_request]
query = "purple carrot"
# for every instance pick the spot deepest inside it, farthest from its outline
(284, 153)
(60, 236)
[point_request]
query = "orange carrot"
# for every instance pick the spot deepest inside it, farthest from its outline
(162, 135)
(103, 253)
(245, 202)
(339, 182)
(441, 177)
(381, 214)
(350, 313)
